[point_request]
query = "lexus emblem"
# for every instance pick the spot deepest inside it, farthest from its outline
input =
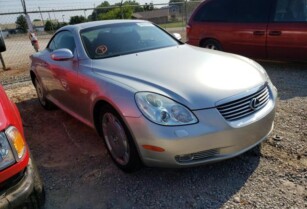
(254, 103)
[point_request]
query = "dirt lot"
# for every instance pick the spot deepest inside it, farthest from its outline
(78, 173)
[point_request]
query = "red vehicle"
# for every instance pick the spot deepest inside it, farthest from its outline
(20, 184)
(264, 29)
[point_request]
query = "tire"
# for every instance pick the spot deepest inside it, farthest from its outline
(118, 140)
(211, 44)
(45, 103)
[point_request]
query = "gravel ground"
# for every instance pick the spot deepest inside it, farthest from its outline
(78, 173)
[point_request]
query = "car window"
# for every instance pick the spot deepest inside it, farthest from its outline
(291, 11)
(238, 11)
(124, 38)
(215, 11)
(62, 40)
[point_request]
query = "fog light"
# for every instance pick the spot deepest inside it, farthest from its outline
(184, 158)
(17, 141)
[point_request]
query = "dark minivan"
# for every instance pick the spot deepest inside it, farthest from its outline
(263, 29)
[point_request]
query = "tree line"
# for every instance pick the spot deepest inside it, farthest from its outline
(104, 11)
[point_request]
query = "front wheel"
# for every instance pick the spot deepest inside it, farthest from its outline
(46, 104)
(118, 140)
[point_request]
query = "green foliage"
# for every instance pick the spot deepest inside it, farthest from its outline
(77, 19)
(21, 23)
(148, 7)
(176, 1)
(36, 20)
(105, 11)
(117, 13)
(135, 5)
(51, 26)
(100, 9)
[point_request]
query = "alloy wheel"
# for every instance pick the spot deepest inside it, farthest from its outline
(116, 138)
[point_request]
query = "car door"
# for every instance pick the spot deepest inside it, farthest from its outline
(248, 34)
(62, 83)
(287, 32)
(239, 25)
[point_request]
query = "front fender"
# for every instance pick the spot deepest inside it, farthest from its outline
(118, 95)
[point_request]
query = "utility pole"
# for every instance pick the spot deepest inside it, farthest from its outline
(121, 9)
(29, 23)
(39, 9)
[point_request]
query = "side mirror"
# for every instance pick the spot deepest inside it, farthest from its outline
(2, 44)
(62, 55)
(177, 36)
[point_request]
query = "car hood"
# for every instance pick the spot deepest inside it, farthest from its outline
(195, 77)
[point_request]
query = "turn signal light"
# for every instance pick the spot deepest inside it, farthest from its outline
(153, 148)
(17, 142)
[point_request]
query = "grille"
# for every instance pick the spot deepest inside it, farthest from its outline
(245, 106)
(197, 156)
(11, 182)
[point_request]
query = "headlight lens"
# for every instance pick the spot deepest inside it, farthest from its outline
(6, 154)
(17, 142)
(162, 110)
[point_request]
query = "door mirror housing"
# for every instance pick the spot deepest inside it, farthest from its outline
(62, 55)
(177, 36)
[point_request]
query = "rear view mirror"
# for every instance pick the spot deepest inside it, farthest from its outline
(2, 44)
(61, 55)
(177, 36)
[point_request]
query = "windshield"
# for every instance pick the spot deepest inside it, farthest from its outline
(124, 38)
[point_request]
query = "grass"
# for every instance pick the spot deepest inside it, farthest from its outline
(172, 25)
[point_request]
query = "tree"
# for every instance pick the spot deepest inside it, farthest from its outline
(77, 19)
(36, 20)
(102, 8)
(49, 26)
(134, 5)
(148, 7)
(106, 11)
(21, 23)
(117, 13)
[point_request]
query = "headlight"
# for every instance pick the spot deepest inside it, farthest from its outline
(162, 110)
(6, 153)
(17, 142)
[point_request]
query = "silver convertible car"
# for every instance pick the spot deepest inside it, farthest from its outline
(153, 99)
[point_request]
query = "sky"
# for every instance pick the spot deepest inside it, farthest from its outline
(10, 6)
(15, 5)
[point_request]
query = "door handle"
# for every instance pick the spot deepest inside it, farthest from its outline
(275, 33)
(259, 33)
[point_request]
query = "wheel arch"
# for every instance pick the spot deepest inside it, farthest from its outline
(33, 77)
(96, 110)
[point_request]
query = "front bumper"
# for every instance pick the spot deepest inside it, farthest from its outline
(18, 194)
(212, 139)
